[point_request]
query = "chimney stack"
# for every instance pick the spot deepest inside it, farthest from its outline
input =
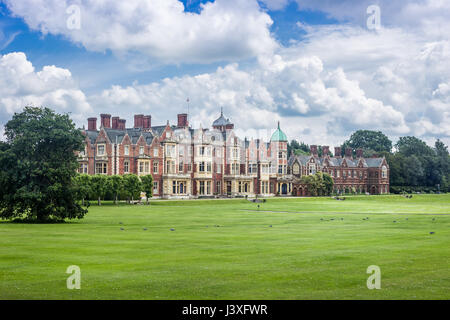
(314, 150)
(121, 124)
(115, 122)
(92, 124)
(348, 152)
(325, 150)
(182, 120)
(138, 120)
(337, 152)
(105, 120)
(147, 122)
(359, 153)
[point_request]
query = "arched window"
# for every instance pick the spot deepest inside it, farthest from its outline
(296, 168)
(311, 168)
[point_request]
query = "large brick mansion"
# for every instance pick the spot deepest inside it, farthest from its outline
(186, 162)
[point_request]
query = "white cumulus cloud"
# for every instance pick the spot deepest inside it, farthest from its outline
(224, 30)
(53, 87)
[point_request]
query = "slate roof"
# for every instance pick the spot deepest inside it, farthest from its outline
(374, 162)
(337, 162)
(115, 135)
(92, 135)
(303, 160)
(158, 130)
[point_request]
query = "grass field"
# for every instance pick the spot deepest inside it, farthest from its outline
(227, 249)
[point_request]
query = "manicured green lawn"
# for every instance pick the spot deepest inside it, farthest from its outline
(299, 257)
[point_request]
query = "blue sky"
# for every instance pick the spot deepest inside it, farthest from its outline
(313, 65)
(50, 49)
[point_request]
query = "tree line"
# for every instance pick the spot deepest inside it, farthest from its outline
(414, 165)
(116, 187)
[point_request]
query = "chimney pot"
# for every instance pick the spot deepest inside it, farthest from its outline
(348, 152)
(115, 122)
(121, 124)
(313, 149)
(182, 120)
(92, 124)
(359, 153)
(138, 120)
(337, 152)
(105, 120)
(147, 122)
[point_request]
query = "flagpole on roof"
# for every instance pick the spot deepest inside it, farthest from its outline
(187, 100)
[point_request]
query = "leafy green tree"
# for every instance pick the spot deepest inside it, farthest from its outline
(319, 184)
(132, 186)
(147, 186)
(38, 164)
(99, 187)
(298, 148)
(409, 146)
(371, 141)
(328, 183)
(83, 186)
(115, 184)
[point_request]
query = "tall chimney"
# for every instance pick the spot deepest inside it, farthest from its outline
(337, 152)
(105, 120)
(147, 122)
(325, 150)
(348, 152)
(138, 120)
(115, 122)
(121, 124)
(92, 124)
(359, 153)
(182, 120)
(313, 150)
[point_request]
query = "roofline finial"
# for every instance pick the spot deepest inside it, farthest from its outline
(221, 111)
(278, 124)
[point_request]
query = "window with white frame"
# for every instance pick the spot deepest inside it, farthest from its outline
(126, 150)
(218, 190)
(155, 167)
(141, 151)
(126, 166)
(101, 150)
(101, 168)
(384, 172)
(83, 168)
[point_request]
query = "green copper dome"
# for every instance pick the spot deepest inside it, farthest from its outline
(278, 135)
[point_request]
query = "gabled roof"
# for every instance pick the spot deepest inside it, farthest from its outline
(158, 130)
(92, 135)
(303, 160)
(115, 135)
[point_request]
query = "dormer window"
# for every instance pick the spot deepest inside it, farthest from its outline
(126, 150)
(101, 150)
(384, 172)
(141, 151)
